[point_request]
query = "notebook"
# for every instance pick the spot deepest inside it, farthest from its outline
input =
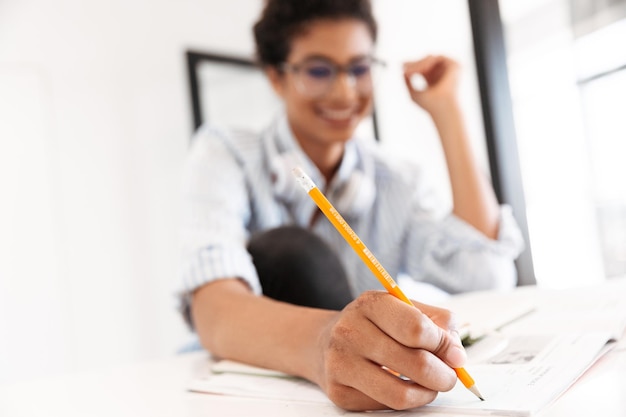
(520, 366)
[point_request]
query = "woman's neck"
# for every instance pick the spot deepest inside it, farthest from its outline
(326, 157)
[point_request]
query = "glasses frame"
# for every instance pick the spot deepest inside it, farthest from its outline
(296, 68)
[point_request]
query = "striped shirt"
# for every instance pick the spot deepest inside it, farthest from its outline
(237, 184)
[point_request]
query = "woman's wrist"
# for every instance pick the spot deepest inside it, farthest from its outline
(443, 109)
(314, 351)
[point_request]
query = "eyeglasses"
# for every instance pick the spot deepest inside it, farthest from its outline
(315, 77)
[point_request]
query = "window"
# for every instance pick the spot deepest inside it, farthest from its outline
(604, 106)
(567, 73)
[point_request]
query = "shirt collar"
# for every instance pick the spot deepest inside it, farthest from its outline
(351, 160)
(354, 168)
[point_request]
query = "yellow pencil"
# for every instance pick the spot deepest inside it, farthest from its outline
(366, 256)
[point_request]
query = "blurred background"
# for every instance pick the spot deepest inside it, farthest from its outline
(96, 118)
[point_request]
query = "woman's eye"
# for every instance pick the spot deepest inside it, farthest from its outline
(319, 72)
(359, 70)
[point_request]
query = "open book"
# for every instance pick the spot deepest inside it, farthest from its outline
(520, 367)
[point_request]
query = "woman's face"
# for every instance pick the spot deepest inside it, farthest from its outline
(324, 106)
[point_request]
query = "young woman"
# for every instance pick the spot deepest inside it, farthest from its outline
(270, 282)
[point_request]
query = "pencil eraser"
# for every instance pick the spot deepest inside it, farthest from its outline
(303, 179)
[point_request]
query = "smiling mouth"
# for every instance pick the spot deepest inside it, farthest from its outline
(337, 115)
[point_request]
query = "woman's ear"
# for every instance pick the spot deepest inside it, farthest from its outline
(276, 79)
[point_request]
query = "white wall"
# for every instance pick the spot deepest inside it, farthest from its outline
(94, 126)
(410, 30)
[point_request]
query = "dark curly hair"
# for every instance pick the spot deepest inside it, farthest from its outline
(282, 20)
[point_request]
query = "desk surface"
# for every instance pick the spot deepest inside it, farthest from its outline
(159, 389)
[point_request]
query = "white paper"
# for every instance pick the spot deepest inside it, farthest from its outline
(525, 376)
(519, 378)
(604, 315)
(529, 355)
(483, 312)
(260, 386)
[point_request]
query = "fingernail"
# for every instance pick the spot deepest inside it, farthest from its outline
(457, 337)
(456, 356)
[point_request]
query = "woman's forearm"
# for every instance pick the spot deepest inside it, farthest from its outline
(233, 323)
(341, 351)
(473, 197)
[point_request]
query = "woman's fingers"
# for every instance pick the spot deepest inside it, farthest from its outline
(433, 68)
(432, 81)
(374, 389)
(423, 65)
(378, 329)
(440, 316)
(410, 327)
(420, 365)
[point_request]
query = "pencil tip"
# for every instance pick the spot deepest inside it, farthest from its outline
(477, 393)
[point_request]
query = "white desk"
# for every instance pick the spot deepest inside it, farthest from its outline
(159, 389)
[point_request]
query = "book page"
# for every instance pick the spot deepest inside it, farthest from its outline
(482, 312)
(574, 315)
(518, 376)
(533, 345)
(525, 374)
(259, 384)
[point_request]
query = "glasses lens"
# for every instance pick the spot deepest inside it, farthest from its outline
(361, 72)
(361, 69)
(316, 77)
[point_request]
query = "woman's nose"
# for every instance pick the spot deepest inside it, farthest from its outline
(344, 86)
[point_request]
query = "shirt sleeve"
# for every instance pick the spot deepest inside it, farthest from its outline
(215, 211)
(454, 256)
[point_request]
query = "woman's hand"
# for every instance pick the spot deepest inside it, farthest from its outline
(441, 81)
(473, 198)
(375, 330)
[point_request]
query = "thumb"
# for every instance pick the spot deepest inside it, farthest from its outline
(451, 350)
